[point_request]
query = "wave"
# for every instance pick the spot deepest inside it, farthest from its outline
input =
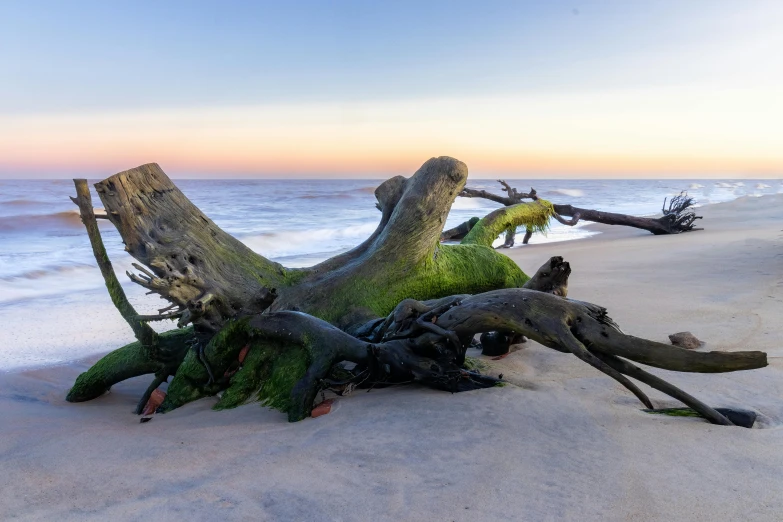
(763, 186)
(22, 203)
(68, 218)
(308, 241)
(363, 190)
(341, 194)
(25, 222)
(325, 196)
(571, 193)
(70, 277)
(695, 186)
(46, 282)
(46, 271)
(472, 203)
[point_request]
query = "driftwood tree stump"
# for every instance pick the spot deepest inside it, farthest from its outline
(400, 307)
(678, 217)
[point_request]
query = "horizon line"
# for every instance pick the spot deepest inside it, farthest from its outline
(514, 177)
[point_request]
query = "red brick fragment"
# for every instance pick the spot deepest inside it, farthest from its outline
(155, 400)
(243, 353)
(322, 409)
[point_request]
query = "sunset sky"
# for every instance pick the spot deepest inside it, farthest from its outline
(367, 89)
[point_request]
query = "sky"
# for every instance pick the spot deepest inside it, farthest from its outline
(369, 89)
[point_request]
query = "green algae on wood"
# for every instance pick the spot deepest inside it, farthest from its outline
(534, 216)
(128, 361)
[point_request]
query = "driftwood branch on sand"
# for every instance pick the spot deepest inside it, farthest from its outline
(679, 216)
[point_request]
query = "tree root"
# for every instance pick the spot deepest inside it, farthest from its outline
(426, 341)
(133, 360)
(631, 370)
(391, 295)
(551, 278)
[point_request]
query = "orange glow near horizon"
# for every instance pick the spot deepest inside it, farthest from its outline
(206, 164)
(655, 133)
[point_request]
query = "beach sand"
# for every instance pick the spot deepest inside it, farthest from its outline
(565, 443)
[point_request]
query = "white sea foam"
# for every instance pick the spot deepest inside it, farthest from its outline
(293, 242)
(471, 204)
(555, 234)
(695, 186)
(58, 280)
(571, 193)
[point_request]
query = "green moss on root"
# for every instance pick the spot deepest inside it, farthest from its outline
(246, 383)
(129, 361)
(533, 215)
(188, 385)
(449, 270)
(269, 373)
(288, 368)
(474, 364)
(190, 381)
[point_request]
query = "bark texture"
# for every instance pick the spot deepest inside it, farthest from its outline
(207, 274)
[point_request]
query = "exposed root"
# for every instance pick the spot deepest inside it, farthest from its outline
(575, 347)
(680, 214)
(426, 341)
(659, 384)
(132, 360)
(247, 342)
(460, 231)
(551, 278)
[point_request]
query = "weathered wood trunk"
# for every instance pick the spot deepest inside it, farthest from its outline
(208, 274)
(400, 305)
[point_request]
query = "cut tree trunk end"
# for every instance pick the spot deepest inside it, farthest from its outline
(400, 306)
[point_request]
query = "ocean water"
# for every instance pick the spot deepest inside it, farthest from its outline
(45, 256)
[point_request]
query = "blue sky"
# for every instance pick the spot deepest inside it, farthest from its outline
(60, 59)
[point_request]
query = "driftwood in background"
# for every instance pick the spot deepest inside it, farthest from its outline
(401, 307)
(677, 217)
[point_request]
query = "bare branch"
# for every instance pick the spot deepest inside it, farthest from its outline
(146, 335)
(569, 222)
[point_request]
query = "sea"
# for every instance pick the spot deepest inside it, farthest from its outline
(45, 256)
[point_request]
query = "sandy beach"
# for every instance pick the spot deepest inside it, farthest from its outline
(563, 443)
